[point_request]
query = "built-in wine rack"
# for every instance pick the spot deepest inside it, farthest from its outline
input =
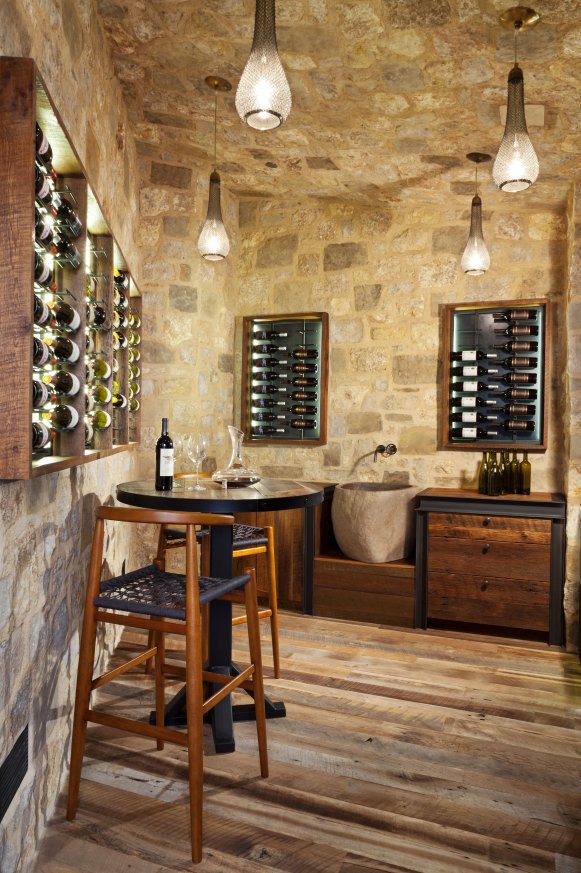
(495, 375)
(285, 378)
(72, 393)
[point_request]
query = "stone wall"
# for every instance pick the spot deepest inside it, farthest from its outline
(383, 276)
(46, 524)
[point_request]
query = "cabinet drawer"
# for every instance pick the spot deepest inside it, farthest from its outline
(517, 603)
(508, 560)
(490, 527)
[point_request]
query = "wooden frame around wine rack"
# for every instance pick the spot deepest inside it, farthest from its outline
(24, 100)
(448, 312)
(251, 322)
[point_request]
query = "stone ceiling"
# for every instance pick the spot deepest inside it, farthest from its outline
(388, 95)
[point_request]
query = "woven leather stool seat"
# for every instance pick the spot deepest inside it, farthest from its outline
(150, 591)
(244, 536)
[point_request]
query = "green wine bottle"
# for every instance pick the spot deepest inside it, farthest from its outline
(525, 474)
(483, 475)
(493, 482)
(514, 474)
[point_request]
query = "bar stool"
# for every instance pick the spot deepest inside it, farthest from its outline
(163, 603)
(246, 541)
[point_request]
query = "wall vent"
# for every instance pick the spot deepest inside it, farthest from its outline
(13, 771)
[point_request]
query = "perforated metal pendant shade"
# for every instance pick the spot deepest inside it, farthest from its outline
(516, 165)
(213, 243)
(263, 97)
(476, 259)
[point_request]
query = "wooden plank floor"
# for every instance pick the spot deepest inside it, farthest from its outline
(402, 752)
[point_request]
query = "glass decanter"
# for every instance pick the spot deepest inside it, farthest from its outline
(236, 474)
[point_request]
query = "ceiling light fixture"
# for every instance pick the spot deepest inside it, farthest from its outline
(476, 260)
(516, 166)
(213, 242)
(263, 97)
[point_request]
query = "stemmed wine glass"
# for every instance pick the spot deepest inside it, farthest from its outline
(197, 449)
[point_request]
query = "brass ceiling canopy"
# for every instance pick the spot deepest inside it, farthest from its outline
(478, 157)
(216, 83)
(519, 18)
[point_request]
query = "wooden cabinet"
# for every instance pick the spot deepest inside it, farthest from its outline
(491, 561)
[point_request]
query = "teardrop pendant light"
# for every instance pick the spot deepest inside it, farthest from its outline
(516, 166)
(213, 242)
(476, 259)
(263, 97)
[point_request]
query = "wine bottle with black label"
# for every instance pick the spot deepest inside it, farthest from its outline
(518, 330)
(516, 315)
(164, 459)
(517, 393)
(305, 353)
(518, 346)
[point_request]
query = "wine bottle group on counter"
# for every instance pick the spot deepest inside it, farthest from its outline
(503, 475)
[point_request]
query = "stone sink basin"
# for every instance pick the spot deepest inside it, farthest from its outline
(374, 522)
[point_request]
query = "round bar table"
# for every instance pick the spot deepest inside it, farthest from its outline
(266, 495)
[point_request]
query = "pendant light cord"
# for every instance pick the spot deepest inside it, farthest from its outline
(517, 27)
(476, 175)
(215, 123)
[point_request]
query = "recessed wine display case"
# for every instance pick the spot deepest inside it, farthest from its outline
(285, 371)
(70, 335)
(496, 375)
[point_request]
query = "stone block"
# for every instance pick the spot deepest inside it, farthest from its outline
(332, 455)
(363, 422)
(418, 441)
(397, 478)
(341, 256)
(176, 225)
(277, 251)
(367, 296)
(414, 369)
(346, 330)
(450, 240)
(338, 361)
(226, 363)
(417, 14)
(183, 297)
(308, 265)
(409, 240)
(403, 77)
(371, 360)
(156, 352)
(170, 175)
(247, 210)
(283, 472)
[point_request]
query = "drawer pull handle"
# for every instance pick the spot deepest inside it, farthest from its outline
(486, 522)
(485, 548)
(484, 586)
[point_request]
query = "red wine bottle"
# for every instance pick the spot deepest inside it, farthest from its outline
(43, 273)
(40, 435)
(63, 382)
(68, 252)
(518, 330)
(262, 430)
(472, 370)
(43, 232)
(42, 313)
(164, 460)
(518, 346)
(472, 433)
(471, 402)
(41, 394)
(305, 353)
(43, 188)
(471, 355)
(69, 222)
(516, 315)
(518, 394)
(472, 416)
(41, 353)
(65, 316)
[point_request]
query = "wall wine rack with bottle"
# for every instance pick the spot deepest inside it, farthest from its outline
(496, 375)
(70, 333)
(285, 368)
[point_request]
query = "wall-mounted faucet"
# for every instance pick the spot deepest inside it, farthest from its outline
(389, 449)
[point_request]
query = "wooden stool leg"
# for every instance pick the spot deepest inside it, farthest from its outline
(159, 561)
(251, 605)
(272, 597)
(194, 708)
(159, 641)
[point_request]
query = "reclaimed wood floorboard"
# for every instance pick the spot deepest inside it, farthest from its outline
(402, 752)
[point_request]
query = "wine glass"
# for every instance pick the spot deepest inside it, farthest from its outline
(179, 451)
(197, 449)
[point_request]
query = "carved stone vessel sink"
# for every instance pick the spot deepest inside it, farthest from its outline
(374, 522)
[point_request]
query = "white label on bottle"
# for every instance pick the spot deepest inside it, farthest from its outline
(43, 395)
(44, 188)
(45, 354)
(75, 322)
(166, 462)
(45, 315)
(469, 432)
(468, 401)
(75, 386)
(74, 418)
(470, 386)
(74, 356)
(45, 434)
(469, 371)
(469, 416)
(469, 355)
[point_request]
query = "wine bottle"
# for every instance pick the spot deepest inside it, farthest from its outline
(41, 312)
(303, 409)
(101, 369)
(483, 475)
(134, 371)
(524, 474)
(134, 404)
(119, 340)
(268, 349)
(518, 409)
(43, 272)
(518, 394)
(266, 416)
(41, 394)
(63, 382)
(40, 435)
(121, 279)
(68, 252)
(65, 316)
(257, 378)
(305, 381)
(62, 417)
(134, 337)
(519, 378)
(115, 365)
(303, 423)
(471, 402)
(516, 315)
(514, 474)
(134, 354)
(88, 433)
(268, 389)
(120, 300)
(89, 402)
(90, 346)
(472, 416)
(519, 362)
(164, 460)
(135, 387)
(472, 370)
(304, 368)
(43, 187)
(268, 362)
(43, 232)
(101, 394)
(473, 386)
(69, 222)
(304, 395)
(43, 150)
(518, 346)
(120, 320)
(471, 433)
(119, 400)
(134, 320)
(269, 334)
(471, 355)
(64, 349)
(508, 489)
(518, 424)
(493, 484)
(518, 330)
(261, 403)
(41, 353)
(501, 473)
(305, 353)
(96, 317)
(100, 420)
(265, 430)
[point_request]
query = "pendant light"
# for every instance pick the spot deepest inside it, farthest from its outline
(476, 260)
(263, 97)
(213, 243)
(516, 166)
